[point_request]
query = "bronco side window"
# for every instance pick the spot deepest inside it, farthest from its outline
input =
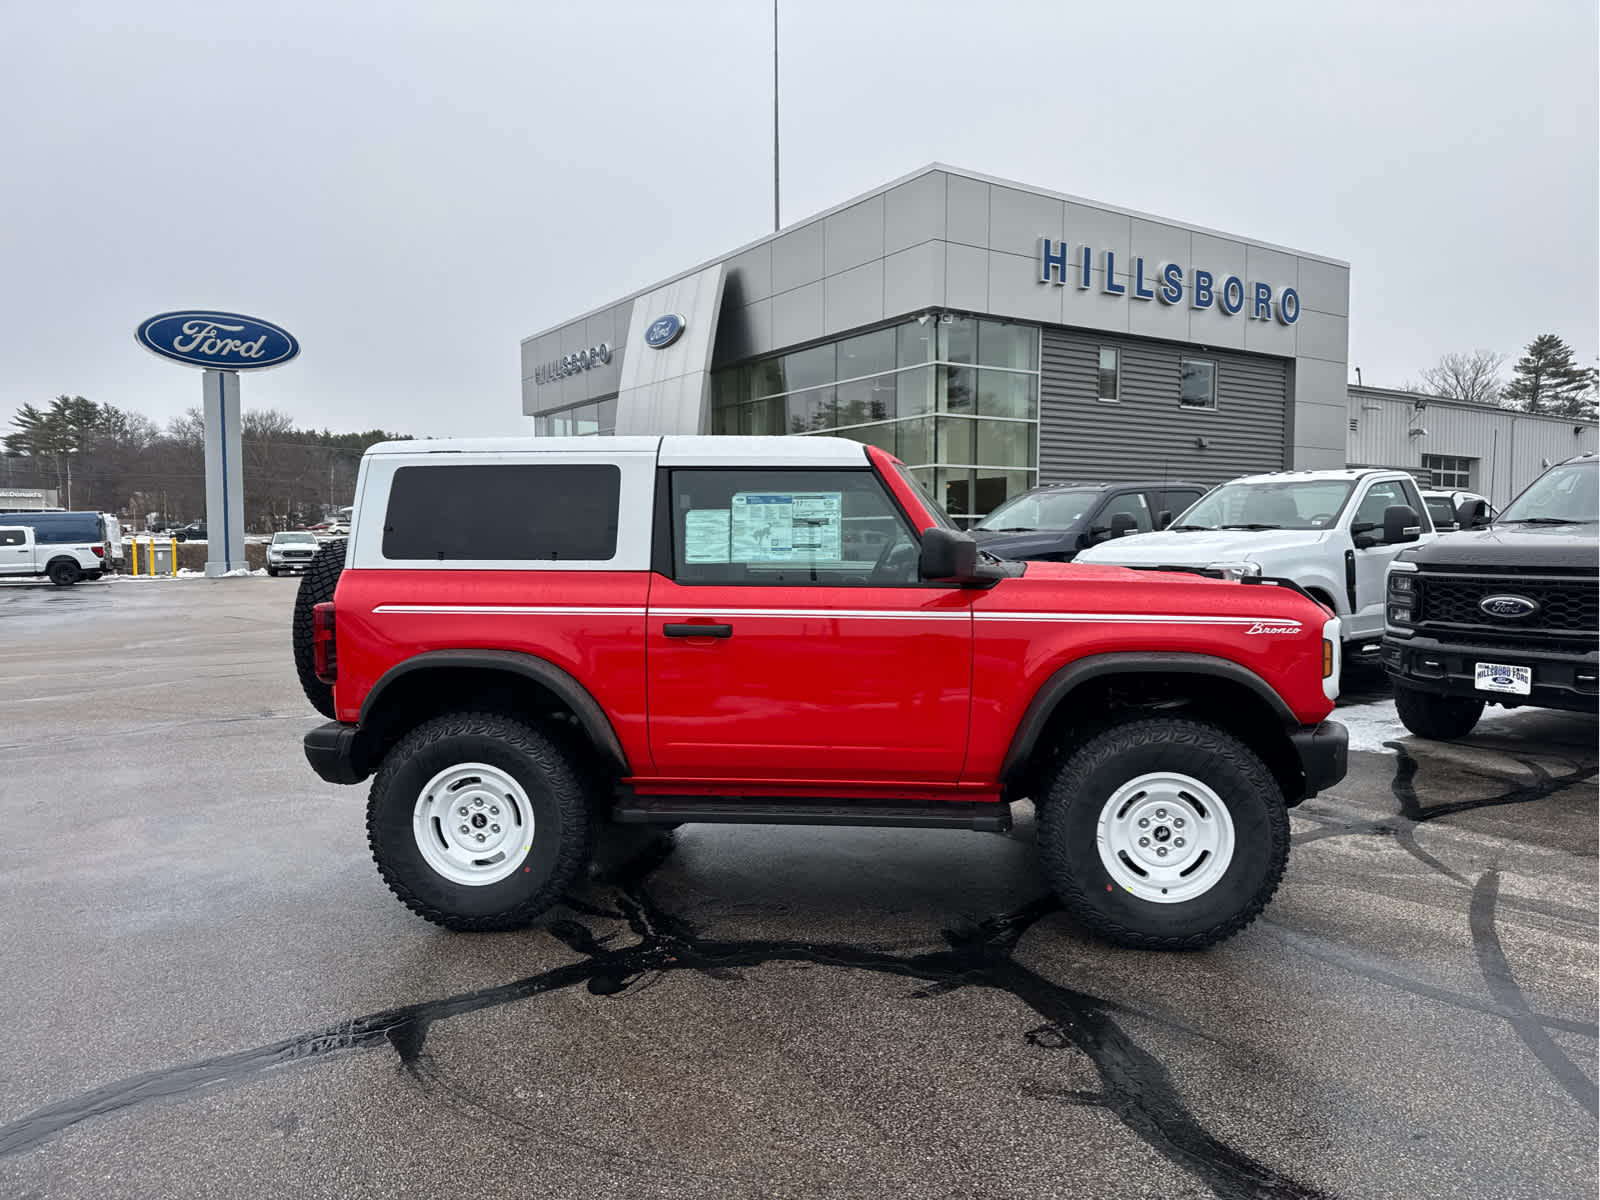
(822, 528)
(509, 512)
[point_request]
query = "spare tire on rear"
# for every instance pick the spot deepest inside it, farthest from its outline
(321, 577)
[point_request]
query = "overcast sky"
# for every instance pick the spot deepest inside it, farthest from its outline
(411, 189)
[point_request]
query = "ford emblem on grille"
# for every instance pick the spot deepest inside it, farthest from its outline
(1508, 606)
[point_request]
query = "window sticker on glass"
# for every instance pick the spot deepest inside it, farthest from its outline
(785, 526)
(705, 535)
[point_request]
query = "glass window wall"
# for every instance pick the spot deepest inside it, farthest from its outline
(954, 398)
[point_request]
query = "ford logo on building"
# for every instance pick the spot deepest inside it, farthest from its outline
(663, 331)
(218, 340)
(1508, 606)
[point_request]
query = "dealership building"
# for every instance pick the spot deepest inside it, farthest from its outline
(1459, 445)
(994, 336)
(990, 335)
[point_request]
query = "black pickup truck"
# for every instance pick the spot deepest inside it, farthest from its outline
(1504, 614)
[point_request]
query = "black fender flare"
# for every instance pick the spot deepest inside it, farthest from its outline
(573, 694)
(1056, 689)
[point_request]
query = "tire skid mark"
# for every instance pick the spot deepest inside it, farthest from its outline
(1413, 813)
(1502, 985)
(1356, 963)
(1134, 1085)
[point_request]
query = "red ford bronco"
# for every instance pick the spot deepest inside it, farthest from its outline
(525, 639)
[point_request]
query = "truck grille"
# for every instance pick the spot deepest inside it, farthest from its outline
(1568, 612)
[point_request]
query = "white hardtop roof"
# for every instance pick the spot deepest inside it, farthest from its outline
(718, 450)
(1342, 474)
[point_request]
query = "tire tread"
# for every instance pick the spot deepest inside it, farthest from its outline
(316, 587)
(1436, 717)
(1082, 763)
(564, 778)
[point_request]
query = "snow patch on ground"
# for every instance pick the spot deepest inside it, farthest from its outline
(1371, 725)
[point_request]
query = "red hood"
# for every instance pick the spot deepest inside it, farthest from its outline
(1095, 573)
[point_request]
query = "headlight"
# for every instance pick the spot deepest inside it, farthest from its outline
(1236, 570)
(1400, 614)
(1402, 583)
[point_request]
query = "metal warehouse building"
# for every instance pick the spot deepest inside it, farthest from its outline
(989, 334)
(1458, 445)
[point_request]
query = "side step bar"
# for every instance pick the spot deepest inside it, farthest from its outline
(987, 817)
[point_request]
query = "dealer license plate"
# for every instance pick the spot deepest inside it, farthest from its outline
(1498, 677)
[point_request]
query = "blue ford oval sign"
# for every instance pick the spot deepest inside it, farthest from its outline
(663, 331)
(218, 340)
(1508, 606)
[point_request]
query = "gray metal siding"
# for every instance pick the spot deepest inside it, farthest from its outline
(1508, 449)
(1147, 433)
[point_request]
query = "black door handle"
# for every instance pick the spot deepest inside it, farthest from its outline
(715, 631)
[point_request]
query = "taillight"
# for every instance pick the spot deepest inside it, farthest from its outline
(324, 650)
(99, 551)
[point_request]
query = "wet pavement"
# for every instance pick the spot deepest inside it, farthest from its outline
(209, 991)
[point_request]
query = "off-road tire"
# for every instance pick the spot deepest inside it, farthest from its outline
(272, 571)
(1087, 778)
(558, 788)
(64, 572)
(321, 578)
(1439, 718)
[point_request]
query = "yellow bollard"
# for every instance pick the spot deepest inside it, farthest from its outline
(135, 544)
(173, 561)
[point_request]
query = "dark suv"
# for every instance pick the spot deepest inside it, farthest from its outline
(1052, 523)
(1502, 615)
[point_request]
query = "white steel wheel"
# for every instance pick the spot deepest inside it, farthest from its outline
(1165, 837)
(473, 824)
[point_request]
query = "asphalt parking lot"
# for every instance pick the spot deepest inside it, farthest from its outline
(208, 991)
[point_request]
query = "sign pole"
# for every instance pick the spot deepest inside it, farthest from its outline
(224, 474)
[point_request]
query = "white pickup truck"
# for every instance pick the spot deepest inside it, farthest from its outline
(62, 562)
(1332, 532)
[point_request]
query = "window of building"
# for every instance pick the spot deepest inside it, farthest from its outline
(1449, 471)
(583, 420)
(489, 512)
(791, 528)
(882, 387)
(1197, 383)
(1109, 380)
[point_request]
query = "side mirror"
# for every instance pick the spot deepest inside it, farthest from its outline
(1163, 518)
(948, 556)
(1122, 524)
(1470, 514)
(1401, 524)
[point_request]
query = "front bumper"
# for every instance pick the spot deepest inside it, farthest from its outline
(1324, 752)
(1563, 680)
(288, 564)
(333, 751)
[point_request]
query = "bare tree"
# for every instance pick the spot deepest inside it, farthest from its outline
(1474, 377)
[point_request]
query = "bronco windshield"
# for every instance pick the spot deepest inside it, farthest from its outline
(1275, 504)
(1563, 494)
(1055, 510)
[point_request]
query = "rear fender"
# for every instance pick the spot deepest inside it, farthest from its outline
(406, 675)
